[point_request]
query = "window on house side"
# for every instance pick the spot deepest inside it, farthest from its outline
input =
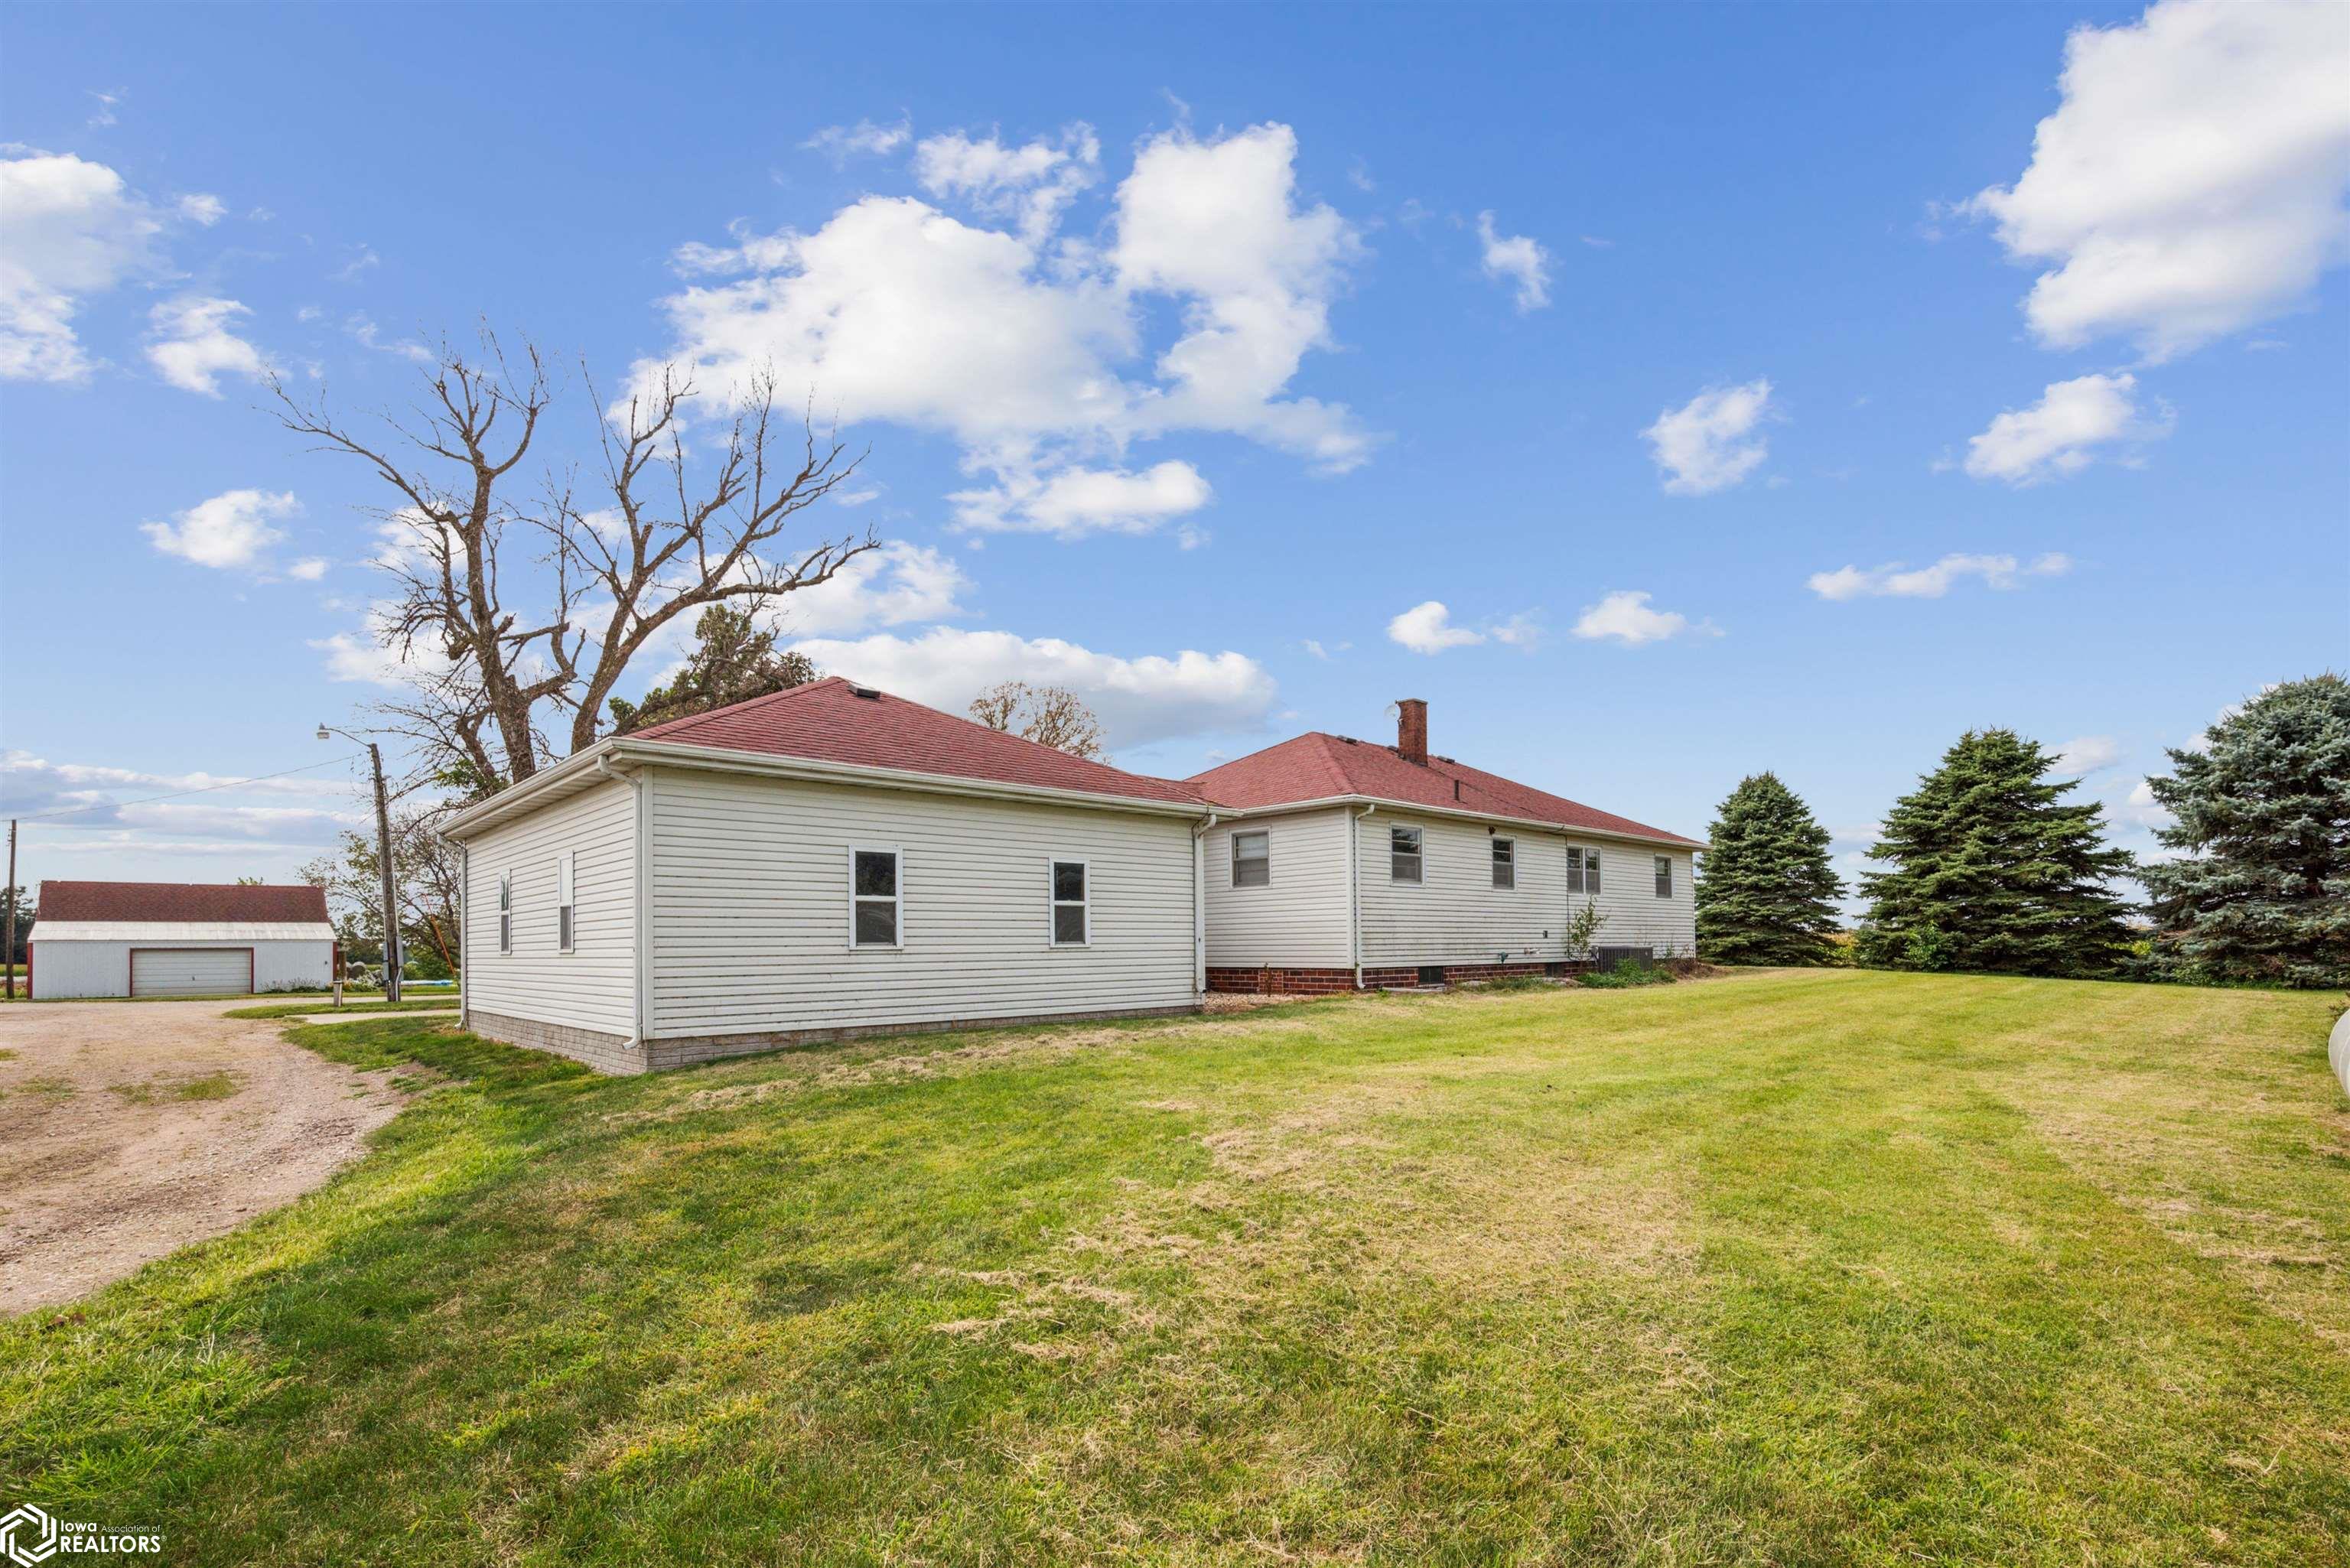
(566, 918)
(874, 898)
(1403, 854)
(1069, 913)
(1505, 863)
(1582, 869)
(505, 913)
(1664, 875)
(1252, 859)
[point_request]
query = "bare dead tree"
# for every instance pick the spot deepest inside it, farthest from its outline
(655, 562)
(1050, 716)
(478, 667)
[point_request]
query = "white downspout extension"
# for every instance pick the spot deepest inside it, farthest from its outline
(1354, 886)
(1199, 906)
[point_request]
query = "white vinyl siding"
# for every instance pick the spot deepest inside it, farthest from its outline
(1298, 919)
(65, 968)
(747, 908)
(1456, 914)
(592, 986)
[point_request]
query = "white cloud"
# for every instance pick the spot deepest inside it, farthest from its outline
(1428, 628)
(2083, 756)
(2140, 809)
(893, 586)
(232, 529)
(1023, 346)
(74, 229)
(309, 569)
(1079, 501)
(1522, 632)
(2191, 181)
(1625, 616)
(1704, 446)
(1517, 259)
(1029, 183)
(842, 142)
(1139, 700)
(368, 335)
(2058, 434)
(194, 347)
(105, 115)
(203, 209)
(1895, 581)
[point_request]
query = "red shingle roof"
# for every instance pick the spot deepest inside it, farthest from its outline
(827, 721)
(1317, 766)
(181, 901)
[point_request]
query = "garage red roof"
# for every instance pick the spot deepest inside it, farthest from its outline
(835, 721)
(1318, 766)
(183, 901)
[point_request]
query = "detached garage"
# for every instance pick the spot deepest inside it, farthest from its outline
(179, 938)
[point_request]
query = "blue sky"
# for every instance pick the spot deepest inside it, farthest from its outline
(1741, 383)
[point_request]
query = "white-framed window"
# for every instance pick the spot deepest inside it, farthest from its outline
(876, 896)
(1072, 916)
(1582, 869)
(1252, 859)
(566, 923)
(1505, 863)
(506, 912)
(1664, 875)
(1403, 855)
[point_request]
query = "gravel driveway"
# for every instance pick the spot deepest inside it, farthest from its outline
(130, 1129)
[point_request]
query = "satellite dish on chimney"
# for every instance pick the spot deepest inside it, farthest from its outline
(1395, 711)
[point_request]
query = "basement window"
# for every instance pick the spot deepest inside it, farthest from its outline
(506, 912)
(1069, 911)
(1252, 859)
(1403, 855)
(875, 901)
(566, 916)
(1664, 875)
(1505, 863)
(1582, 869)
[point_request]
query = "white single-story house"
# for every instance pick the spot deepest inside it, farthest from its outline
(827, 861)
(1335, 864)
(177, 938)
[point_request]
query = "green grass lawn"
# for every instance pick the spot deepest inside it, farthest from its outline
(1827, 1267)
(321, 1005)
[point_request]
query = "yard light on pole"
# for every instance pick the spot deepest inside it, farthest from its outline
(392, 955)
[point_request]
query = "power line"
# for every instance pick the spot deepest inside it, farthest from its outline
(175, 794)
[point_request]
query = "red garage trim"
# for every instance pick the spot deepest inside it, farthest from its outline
(131, 965)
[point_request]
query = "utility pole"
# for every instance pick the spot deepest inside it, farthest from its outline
(391, 953)
(384, 865)
(8, 955)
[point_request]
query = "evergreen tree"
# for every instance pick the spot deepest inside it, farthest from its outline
(733, 661)
(2263, 814)
(1990, 872)
(1767, 894)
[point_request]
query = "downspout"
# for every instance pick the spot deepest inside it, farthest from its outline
(465, 942)
(637, 966)
(1199, 906)
(1354, 886)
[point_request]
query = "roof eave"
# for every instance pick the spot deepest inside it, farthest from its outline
(621, 753)
(1464, 814)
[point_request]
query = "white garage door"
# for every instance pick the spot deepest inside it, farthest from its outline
(189, 971)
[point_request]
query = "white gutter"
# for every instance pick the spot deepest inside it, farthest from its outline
(640, 862)
(1355, 885)
(1457, 814)
(624, 752)
(465, 938)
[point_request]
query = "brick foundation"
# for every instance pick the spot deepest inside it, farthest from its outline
(612, 1053)
(1273, 982)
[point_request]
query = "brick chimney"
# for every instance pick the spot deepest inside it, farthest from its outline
(1411, 730)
